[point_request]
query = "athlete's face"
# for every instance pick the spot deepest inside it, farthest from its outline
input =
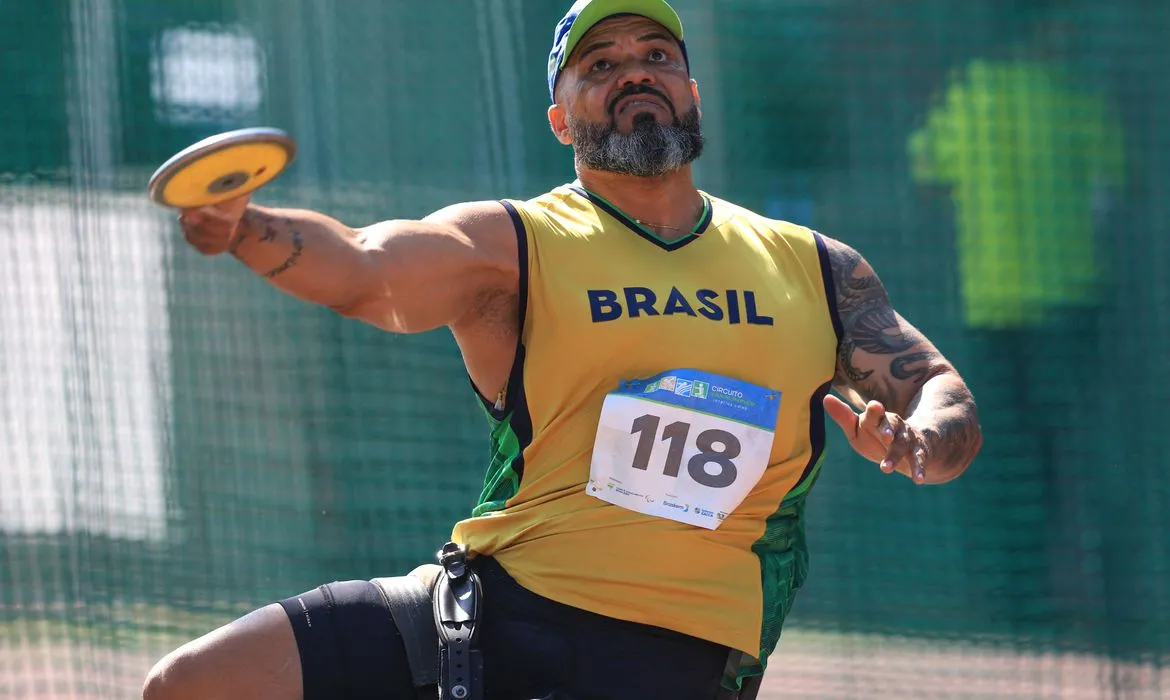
(626, 102)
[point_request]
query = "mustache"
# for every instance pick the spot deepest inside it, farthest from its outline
(641, 90)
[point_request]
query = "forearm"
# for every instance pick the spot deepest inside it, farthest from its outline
(306, 254)
(944, 412)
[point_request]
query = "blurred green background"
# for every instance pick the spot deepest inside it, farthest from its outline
(178, 439)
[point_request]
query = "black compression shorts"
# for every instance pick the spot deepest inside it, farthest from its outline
(532, 647)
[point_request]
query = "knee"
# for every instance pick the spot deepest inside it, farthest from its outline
(251, 657)
(174, 677)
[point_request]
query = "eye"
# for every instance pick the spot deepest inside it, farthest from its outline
(600, 65)
(657, 55)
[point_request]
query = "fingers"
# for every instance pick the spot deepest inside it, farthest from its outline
(903, 446)
(863, 430)
(905, 450)
(227, 209)
(234, 208)
(881, 436)
(881, 429)
(210, 229)
(842, 414)
(207, 244)
(207, 235)
(873, 421)
(210, 215)
(918, 464)
(897, 450)
(914, 460)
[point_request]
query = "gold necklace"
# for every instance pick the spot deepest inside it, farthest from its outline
(653, 225)
(648, 224)
(672, 228)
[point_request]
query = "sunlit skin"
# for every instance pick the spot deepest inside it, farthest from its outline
(464, 267)
(458, 267)
(614, 55)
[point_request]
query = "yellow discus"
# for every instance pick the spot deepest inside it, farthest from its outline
(222, 167)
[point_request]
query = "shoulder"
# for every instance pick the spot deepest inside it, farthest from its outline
(725, 212)
(488, 216)
(562, 195)
(842, 255)
(729, 216)
(499, 227)
(506, 208)
(487, 226)
(852, 278)
(558, 204)
(564, 212)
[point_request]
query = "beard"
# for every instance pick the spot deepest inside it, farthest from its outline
(649, 150)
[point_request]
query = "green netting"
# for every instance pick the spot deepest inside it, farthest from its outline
(180, 443)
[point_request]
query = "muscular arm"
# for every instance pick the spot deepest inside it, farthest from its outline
(402, 276)
(883, 358)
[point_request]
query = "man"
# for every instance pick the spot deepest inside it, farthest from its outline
(654, 363)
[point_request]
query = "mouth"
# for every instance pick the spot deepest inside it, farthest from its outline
(638, 102)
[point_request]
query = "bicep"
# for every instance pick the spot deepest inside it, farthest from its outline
(427, 274)
(881, 356)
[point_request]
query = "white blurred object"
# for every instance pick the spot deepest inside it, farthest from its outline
(206, 75)
(85, 381)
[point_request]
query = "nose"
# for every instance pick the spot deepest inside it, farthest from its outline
(635, 73)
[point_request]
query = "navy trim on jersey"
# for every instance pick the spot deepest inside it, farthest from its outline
(816, 432)
(642, 231)
(515, 409)
(514, 392)
(830, 288)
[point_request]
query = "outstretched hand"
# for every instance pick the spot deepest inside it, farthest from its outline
(881, 436)
(212, 229)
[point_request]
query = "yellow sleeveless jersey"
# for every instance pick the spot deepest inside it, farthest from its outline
(605, 301)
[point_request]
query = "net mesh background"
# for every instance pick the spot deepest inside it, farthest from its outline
(180, 443)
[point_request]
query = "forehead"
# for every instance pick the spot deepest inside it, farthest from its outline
(618, 28)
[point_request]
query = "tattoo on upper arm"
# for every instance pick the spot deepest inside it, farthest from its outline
(901, 368)
(870, 324)
(873, 334)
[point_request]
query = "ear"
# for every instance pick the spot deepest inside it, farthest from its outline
(556, 122)
(695, 94)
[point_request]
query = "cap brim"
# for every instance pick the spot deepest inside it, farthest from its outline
(598, 10)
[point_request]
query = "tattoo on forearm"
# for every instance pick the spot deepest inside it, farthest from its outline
(294, 255)
(246, 230)
(955, 439)
(241, 236)
(271, 229)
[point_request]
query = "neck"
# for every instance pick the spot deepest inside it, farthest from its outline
(669, 205)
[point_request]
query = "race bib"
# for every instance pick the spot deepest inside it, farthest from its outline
(684, 445)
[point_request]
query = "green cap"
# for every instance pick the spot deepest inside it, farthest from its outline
(585, 14)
